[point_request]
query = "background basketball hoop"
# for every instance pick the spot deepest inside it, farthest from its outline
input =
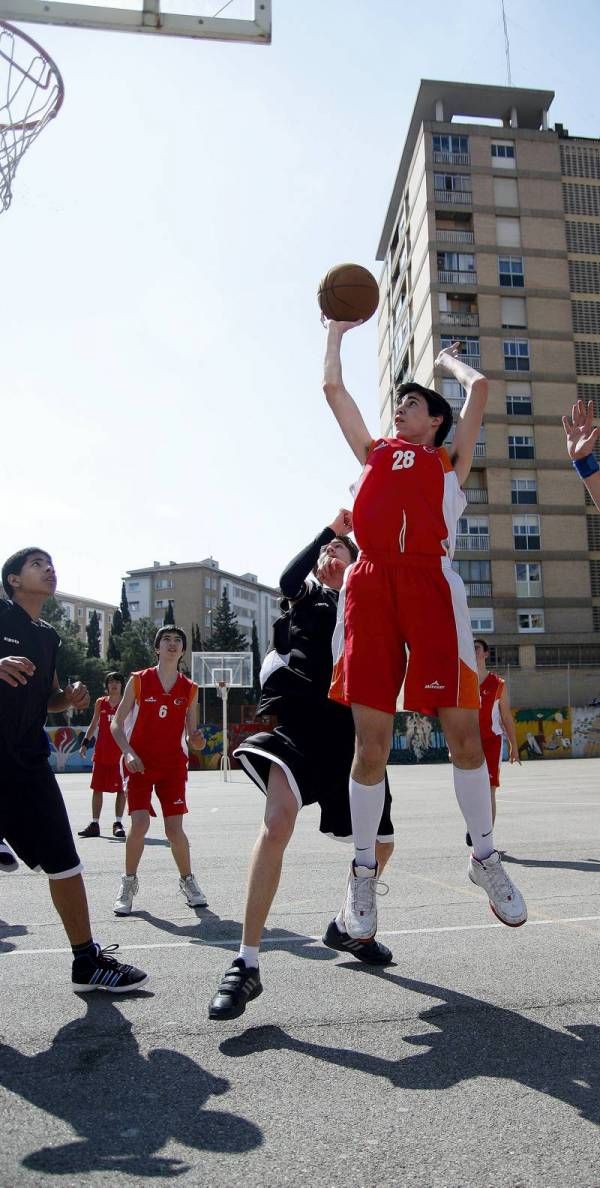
(31, 94)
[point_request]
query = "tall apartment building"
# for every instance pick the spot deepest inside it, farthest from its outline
(492, 236)
(78, 610)
(195, 589)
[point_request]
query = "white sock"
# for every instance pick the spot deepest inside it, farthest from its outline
(473, 794)
(340, 920)
(366, 807)
(96, 820)
(249, 954)
(118, 820)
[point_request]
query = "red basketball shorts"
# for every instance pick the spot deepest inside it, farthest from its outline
(492, 750)
(106, 777)
(405, 626)
(168, 784)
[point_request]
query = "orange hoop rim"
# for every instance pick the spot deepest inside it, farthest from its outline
(55, 74)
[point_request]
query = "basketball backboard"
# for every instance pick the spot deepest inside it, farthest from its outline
(237, 20)
(210, 670)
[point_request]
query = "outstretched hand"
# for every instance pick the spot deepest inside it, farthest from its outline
(341, 525)
(339, 327)
(447, 353)
(580, 432)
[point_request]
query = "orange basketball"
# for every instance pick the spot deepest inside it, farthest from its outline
(348, 293)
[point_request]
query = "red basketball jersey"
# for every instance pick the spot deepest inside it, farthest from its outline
(408, 500)
(490, 691)
(156, 725)
(106, 750)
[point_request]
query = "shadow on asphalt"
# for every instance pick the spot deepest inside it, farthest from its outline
(210, 929)
(473, 1039)
(586, 864)
(125, 1106)
(8, 930)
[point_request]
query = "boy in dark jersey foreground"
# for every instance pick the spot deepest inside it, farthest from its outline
(33, 818)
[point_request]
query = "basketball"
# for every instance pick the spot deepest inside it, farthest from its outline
(348, 293)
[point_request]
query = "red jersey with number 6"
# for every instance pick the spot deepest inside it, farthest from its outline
(408, 500)
(156, 725)
(106, 751)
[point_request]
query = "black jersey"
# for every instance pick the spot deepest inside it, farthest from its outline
(23, 710)
(302, 638)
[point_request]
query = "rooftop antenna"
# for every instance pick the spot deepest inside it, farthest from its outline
(506, 45)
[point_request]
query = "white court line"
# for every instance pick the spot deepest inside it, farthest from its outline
(301, 939)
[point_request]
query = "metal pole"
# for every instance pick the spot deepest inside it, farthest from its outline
(225, 759)
(568, 686)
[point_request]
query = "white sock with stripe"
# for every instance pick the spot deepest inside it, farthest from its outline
(366, 807)
(473, 794)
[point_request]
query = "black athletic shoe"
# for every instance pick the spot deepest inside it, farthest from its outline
(468, 839)
(8, 862)
(91, 830)
(118, 830)
(104, 972)
(239, 986)
(372, 952)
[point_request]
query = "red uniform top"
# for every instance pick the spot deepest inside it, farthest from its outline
(408, 500)
(490, 691)
(106, 751)
(156, 725)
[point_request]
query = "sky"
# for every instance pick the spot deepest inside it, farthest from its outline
(162, 349)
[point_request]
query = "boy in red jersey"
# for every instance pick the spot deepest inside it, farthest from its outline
(106, 765)
(408, 502)
(495, 719)
(159, 709)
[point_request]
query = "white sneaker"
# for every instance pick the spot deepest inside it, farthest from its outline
(360, 907)
(124, 900)
(193, 892)
(506, 900)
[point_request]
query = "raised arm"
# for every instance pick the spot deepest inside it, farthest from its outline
(343, 407)
(581, 439)
(293, 578)
(471, 413)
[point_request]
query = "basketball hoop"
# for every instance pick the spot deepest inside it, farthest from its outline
(31, 94)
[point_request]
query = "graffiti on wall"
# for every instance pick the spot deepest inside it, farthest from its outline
(585, 730)
(543, 733)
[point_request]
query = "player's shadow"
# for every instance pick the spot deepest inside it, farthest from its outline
(472, 1039)
(587, 865)
(124, 1106)
(9, 930)
(209, 929)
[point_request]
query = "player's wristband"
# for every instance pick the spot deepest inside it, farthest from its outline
(586, 466)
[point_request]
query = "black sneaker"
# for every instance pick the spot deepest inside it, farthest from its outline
(118, 830)
(239, 986)
(468, 839)
(104, 972)
(372, 952)
(8, 862)
(91, 830)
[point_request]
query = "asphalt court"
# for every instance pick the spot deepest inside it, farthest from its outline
(473, 1060)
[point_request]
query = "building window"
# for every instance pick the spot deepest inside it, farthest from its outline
(513, 313)
(133, 586)
(161, 602)
(516, 354)
(456, 262)
(473, 533)
(505, 191)
(134, 606)
(207, 619)
(532, 620)
(528, 579)
(164, 584)
(503, 154)
(523, 490)
(482, 620)
(469, 346)
(519, 405)
(521, 445)
(450, 144)
(207, 581)
(510, 272)
(526, 532)
(508, 232)
(452, 181)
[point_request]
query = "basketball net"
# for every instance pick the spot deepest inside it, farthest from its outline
(31, 94)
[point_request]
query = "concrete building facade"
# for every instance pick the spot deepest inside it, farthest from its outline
(195, 589)
(78, 610)
(492, 236)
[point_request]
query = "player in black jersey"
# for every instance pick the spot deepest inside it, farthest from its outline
(33, 818)
(306, 759)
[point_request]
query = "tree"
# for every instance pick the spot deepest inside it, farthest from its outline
(226, 635)
(72, 663)
(169, 616)
(113, 651)
(137, 646)
(196, 639)
(256, 662)
(93, 635)
(124, 607)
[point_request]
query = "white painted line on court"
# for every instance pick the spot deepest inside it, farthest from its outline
(301, 939)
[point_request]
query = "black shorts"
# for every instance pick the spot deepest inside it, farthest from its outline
(315, 750)
(34, 821)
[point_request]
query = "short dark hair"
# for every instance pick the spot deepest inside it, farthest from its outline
(170, 629)
(13, 565)
(437, 406)
(114, 676)
(483, 643)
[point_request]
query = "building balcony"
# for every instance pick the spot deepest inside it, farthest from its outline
(450, 318)
(476, 494)
(466, 277)
(473, 543)
(454, 236)
(453, 197)
(470, 360)
(478, 589)
(479, 451)
(445, 157)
